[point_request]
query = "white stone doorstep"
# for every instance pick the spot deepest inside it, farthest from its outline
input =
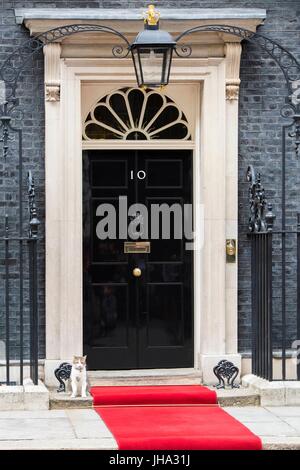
(275, 393)
(25, 397)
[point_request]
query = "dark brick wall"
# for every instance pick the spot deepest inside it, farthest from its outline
(262, 94)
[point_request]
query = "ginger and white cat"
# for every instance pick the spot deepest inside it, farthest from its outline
(79, 377)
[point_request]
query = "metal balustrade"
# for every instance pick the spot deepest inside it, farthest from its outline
(275, 285)
(20, 304)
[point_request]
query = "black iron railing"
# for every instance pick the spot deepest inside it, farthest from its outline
(20, 303)
(261, 266)
(275, 284)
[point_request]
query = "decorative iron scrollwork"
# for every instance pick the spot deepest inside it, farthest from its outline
(288, 64)
(120, 52)
(183, 50)
(33, 220)
(286, 61)
(226, 370)
(292, 111)
(5, 121)
(296, 133)
(14, 64)
(260, 219)
(63, 373)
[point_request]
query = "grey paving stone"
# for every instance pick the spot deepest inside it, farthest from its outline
(276, 429)
(91, 429)
(36, 429)
(294, 422)
(87, 424)
(35, 414)
(82, 415)
(252, 414)
(282, 411)
(61, 444)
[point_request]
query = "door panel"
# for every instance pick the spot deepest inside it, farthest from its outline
(166, 332)
(137, 322)
(108, 321)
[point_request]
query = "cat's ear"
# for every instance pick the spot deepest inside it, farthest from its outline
(75, 358)
(84, 358)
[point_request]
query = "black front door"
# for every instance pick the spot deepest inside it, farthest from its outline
(146, 321)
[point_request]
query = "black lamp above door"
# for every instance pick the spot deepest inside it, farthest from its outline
(152, 52)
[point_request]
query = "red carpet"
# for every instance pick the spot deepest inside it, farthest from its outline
(154, 395)
(138, 425)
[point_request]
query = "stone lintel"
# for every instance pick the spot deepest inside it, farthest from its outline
(175, 20)
(181, 14)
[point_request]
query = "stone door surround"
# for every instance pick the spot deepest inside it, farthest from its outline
(214, 67)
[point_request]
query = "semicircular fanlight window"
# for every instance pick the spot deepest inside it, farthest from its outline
(136, 114)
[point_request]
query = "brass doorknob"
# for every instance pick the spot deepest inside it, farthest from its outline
(137, 272)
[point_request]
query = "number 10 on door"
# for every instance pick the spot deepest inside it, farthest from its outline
(141, 174)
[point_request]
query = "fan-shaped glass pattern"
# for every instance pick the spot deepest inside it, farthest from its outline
(136, 114)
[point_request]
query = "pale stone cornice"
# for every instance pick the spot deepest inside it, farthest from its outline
(23, 14)
(129, 21)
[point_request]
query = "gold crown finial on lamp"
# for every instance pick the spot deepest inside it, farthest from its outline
(151, 16)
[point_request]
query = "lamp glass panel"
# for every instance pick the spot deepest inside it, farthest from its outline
(152, 63)
(167, 65)
(137, 66)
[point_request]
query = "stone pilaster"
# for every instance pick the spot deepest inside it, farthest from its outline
(233, 58)
(233, 54)
(52, 71)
